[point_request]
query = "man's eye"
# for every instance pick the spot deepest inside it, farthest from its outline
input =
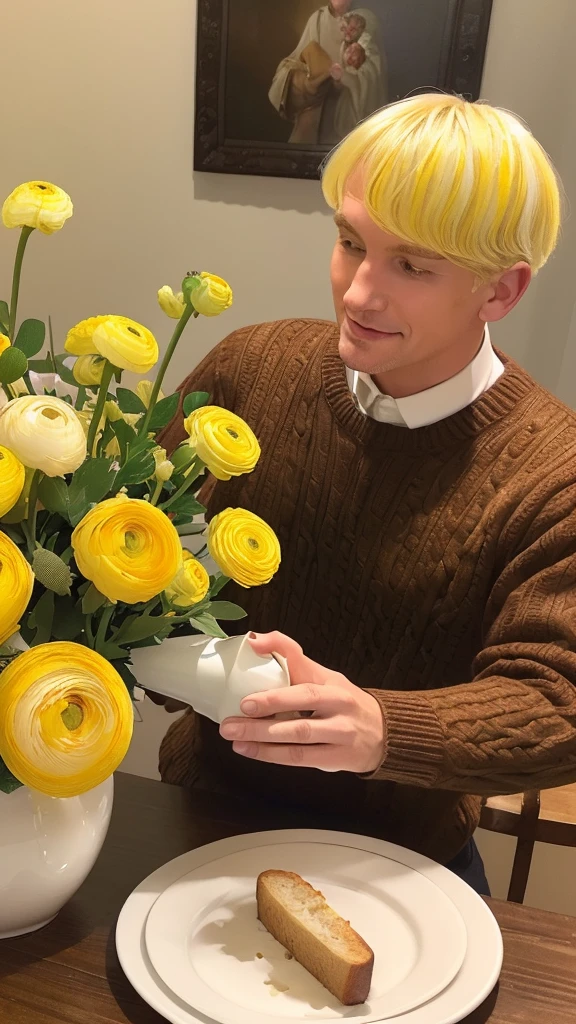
(350, 246)
(412, 271)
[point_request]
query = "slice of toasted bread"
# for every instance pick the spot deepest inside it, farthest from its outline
(323, 942)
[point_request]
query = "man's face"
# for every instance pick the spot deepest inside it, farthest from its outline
(340, 7)
(397, 306)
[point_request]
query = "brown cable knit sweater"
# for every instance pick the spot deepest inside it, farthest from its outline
(435, 567)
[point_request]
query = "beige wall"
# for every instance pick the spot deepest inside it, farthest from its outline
(99, 98)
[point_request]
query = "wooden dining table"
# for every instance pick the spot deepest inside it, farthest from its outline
(68, 973)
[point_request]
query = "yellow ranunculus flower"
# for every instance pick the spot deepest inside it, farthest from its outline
(16, 582)
(87, 370)
(66, 718)
(44, 433)
(128, 548)
(4, 343)
(126, 344)
(223, 441)
(244, 546)
(79, 338)
(164, 468)
(210, 295)
(144, 392)
(171, 304)
(37, 204)
(12, 475)
(190, 585)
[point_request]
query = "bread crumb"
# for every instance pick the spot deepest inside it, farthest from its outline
(288, 956)
(276, 987)
(260, 956)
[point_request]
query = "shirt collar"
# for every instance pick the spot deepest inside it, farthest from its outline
(435, 403)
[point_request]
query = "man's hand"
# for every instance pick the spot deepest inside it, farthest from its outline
(343, 727)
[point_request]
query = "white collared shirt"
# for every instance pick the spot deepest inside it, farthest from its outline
(434, 404)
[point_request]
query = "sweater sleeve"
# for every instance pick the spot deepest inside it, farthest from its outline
(513, 726)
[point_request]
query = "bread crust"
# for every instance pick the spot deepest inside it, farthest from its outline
(298, 916)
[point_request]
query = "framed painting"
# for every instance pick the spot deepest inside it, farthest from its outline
(280, 82)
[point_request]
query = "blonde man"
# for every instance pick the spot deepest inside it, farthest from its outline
(423, 487)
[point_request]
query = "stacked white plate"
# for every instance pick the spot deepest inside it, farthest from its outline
(189, 940)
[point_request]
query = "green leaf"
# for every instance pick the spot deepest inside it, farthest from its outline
(68, 619)
(127, 675)
(138, 627)
(125, 434)
(13, 532)
(42, 617)
(30, 337)
(111, 651)
(206, 623)
(41, 365)
(63, 371)
(8, 782)
(92, 600)
(90, 483)
(226, 610)
(186, 505)
(13, 365)
(138, 468)
(164, 411)
(129, 401)
(217, 583)
(53, 494)
(195, 400)
(4, 317)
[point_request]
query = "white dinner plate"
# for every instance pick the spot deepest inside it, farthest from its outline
(468, 989)
(205, 941)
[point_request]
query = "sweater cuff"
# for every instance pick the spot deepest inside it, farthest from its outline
(414, 751)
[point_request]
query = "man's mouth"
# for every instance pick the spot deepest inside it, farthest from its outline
(367, 333)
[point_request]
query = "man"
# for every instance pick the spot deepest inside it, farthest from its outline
(324, 99)
(423, 488)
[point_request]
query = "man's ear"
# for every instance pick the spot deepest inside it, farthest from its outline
(507, 290)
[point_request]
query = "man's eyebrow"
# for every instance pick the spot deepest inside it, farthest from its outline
(415, 250)
(341, 222)
(403, 248)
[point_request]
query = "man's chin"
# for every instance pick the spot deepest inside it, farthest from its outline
(358, 355)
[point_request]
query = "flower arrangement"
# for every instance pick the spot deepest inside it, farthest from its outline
(92, 511)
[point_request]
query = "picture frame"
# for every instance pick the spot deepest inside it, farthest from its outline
(237, 129)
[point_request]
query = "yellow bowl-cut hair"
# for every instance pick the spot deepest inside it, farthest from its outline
(465, 180)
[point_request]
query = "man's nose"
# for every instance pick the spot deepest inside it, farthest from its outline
(367, 290)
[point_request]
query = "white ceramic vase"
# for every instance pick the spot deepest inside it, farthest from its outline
(48, 846)
(213, 676)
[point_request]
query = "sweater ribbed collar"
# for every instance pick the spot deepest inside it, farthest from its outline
(512, 388)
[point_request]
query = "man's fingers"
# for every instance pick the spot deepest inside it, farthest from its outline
(299, 731)
(326, 757)
(326, 700)
(301, 668)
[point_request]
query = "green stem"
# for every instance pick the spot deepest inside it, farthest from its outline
(157, 492)
(89, 631)
(33, 509)
(107, 375)
(188, 312)
(51, 344)
(103, 625)
(24, 236)
(192, 476)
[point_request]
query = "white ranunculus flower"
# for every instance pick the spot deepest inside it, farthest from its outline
(44, 433)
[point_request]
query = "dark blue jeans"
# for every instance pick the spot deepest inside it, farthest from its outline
(469, 866)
